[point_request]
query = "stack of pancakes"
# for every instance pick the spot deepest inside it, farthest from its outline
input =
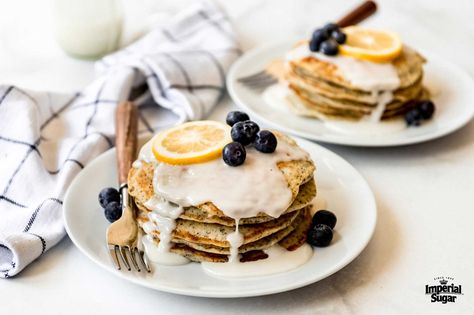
(320, 90)
(201, 230)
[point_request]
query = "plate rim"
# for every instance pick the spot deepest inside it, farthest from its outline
(225, 294)
(231, 80)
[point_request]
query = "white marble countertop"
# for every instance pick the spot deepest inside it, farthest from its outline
(424, 192)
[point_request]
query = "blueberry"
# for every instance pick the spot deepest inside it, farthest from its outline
(413, 117)
(329, 47)
(244, 131)
(426, 108)
(234, 154)
(320, 235)
(325, 217)
(313, 45)
(265, 141)
(108, 195)
(318, 37)
(113, 211)
(339, 36)
(331, 27)
(236, 116)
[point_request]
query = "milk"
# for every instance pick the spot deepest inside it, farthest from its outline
(87, 28)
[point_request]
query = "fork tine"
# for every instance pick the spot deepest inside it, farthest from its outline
(261, 82)
(124, 258)
(114, 256)
(143, 259)
(263, 77)
(133, 258)
(260, 85)
(258, 80)
(255, 79)
(265, 82)
(252, 76)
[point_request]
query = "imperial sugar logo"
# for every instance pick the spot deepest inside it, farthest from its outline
(444, 290)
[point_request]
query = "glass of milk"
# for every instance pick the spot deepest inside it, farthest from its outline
(87, 29)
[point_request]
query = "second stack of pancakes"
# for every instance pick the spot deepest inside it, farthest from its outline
(322, 91)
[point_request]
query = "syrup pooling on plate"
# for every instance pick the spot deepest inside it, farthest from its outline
(279, 260)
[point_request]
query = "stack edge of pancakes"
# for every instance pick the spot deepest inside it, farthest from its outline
(346, 88)
(201, 232)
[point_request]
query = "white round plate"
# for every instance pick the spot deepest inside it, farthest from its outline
(342, 187)
(452, 89)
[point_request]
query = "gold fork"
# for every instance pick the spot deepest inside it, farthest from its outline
(122, 235)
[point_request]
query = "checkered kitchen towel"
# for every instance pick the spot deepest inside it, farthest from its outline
(47, 138)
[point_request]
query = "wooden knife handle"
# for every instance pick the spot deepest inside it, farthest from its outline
(126, 128)
(358, 14)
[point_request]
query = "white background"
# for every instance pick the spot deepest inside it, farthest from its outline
(424, 192)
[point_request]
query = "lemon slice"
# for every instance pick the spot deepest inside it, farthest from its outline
(192, 142)
(371, 45)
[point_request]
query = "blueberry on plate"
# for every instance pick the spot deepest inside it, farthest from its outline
(265, 141)
(413, 117)
(426, 108)
(325, 217)
(113, 211)
(331, 27)
(339, 36)
(234, 154)
(108, 195)
(236, 116)
(318, 37)
(329, 47)
(320, 235)
(244, 132)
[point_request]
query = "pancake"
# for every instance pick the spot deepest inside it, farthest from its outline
(318, 88)
(260, 244)
(298, 236)
(296, 173)
(304, 107)
(201, 232)
(294, 240)
(215, 234)
(306, 194)
(347, 97)
(200, 256)
(409, 67)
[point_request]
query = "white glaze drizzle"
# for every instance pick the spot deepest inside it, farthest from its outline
(235, 239)
(240, 192)
(237, 191)
(163, 216)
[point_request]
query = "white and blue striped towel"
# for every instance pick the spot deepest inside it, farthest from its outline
(47, 138)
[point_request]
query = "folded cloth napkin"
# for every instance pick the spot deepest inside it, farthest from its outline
(47, 138)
